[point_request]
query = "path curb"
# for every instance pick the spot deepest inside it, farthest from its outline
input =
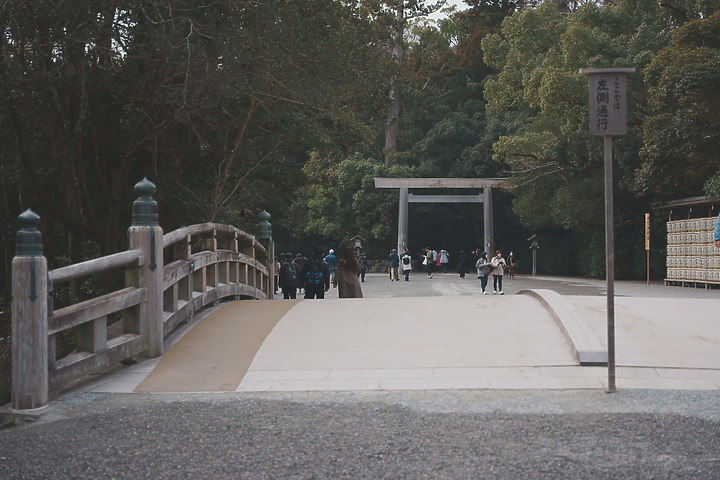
(588, 348)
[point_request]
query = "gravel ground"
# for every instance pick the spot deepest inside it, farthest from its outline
(448, 435)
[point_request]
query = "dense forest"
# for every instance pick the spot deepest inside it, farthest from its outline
(234, 106)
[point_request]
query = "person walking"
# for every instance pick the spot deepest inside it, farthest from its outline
(483, 271)
(288, 278)
(462, 265)
(444, 260)
(315, 276)
(364, 266)
(331, 261)
(406, 262)
(393, 264)
(299, 262)
(429, 263)
(346, 275)
(498, 265)
(512, 265)
(276, 273)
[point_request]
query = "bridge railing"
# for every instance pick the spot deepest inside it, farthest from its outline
(228, 262)
(167, 279)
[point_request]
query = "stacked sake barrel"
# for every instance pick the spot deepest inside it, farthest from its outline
(692, 257)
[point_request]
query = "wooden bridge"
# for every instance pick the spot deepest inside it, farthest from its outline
(168, 277)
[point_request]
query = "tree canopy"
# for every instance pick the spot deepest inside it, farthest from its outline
(235, 106)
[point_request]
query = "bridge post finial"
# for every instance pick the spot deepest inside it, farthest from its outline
(145, 209)
(264, 228)
(29, 317)
(146, 235)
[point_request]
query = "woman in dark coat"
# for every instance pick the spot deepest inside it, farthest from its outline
(462, 265)
(347, 275)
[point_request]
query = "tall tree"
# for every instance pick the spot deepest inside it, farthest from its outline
(212, 100)
(557, 173)
(682, 128)
(395, 15)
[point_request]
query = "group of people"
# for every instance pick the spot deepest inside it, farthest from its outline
(433, 260)
(316, 274)
(399, 261)
(495, 266)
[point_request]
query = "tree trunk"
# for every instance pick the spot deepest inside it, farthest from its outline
(391, 141)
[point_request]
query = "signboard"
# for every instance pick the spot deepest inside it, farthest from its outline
(608, 117)
(608, 100)
(647, 231)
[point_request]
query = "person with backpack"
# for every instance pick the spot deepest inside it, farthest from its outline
(429, 262)
(346, 275)
(315, 276)
(288, 277)
(406, 262)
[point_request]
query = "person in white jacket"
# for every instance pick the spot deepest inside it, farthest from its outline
(498, 265)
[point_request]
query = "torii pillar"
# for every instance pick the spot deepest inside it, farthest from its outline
(405, 184)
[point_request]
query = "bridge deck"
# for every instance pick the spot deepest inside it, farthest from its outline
(406, 337)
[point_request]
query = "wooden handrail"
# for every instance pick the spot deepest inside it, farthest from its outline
(182, 233)
(96, 265)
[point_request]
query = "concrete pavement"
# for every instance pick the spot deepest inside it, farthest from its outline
(440, 334)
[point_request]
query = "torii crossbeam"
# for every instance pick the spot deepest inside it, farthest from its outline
(405, 184)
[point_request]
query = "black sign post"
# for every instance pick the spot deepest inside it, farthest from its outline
(608, 117)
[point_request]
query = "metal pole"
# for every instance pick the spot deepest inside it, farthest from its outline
(610, 262)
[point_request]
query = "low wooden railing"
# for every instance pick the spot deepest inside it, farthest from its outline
(168, 278)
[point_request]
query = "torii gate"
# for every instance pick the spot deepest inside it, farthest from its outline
(404, 184)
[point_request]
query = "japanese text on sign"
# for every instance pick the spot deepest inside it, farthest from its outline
(608, 102)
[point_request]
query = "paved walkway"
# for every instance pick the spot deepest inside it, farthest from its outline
(440, 334)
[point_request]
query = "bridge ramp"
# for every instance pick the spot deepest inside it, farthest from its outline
(389, 341)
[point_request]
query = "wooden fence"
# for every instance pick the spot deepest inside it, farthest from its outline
(168, 278)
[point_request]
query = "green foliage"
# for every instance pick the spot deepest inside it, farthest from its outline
(681, 130)
(557, 169)
(342, 201)
(213, 101)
